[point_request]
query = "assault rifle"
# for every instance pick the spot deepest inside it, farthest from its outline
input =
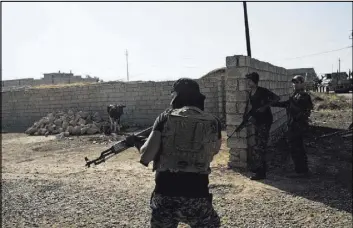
(117, 148)
(247, 118)
(338, 133)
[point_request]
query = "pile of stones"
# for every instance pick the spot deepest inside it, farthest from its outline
(68, 123)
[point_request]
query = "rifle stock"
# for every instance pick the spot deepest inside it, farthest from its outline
(116, 148)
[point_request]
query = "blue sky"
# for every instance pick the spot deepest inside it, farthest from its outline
(167, 41)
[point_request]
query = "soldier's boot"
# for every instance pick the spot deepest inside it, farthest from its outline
(260, 174)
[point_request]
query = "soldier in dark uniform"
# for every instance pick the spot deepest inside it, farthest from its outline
(260, 99)
(182, 144)
(298, 109)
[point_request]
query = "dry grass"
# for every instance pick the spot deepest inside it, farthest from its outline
(324, 101)
(63, 85)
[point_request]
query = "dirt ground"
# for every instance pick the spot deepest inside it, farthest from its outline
(45, 184)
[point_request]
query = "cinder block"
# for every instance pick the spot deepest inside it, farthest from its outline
(237, 152)
(264, 66)
(264, 76)
(231, 107)
(232, 61)
(243, 85)
(272, 85)
(236, 96)
(232, 83)
(234, 157)
(234, 119)
(244, 61)
(257, 65)
(271, 68)
(241, 107)
(236, 72)
(241, 134)
(240, 143)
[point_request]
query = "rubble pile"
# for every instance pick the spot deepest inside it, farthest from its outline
(70, 123)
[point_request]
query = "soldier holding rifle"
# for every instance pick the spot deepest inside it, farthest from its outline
(182, 144)
(261, 117)
(298, 109)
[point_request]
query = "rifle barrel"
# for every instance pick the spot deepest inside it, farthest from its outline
(115, 149)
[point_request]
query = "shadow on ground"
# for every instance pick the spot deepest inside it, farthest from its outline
(330, 162)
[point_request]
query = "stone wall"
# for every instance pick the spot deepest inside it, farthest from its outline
(225, 89)
(144, 100)
(274, 78)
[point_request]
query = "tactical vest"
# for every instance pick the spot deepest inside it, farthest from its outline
(294, 109)
(189, 140)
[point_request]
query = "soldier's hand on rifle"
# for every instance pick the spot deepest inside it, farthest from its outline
(135, 141)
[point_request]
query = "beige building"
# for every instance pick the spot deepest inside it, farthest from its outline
(48, 79)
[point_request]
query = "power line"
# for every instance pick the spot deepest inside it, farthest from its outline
(318, 53)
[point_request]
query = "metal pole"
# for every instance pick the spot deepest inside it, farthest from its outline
(247, 29)
(127, 66)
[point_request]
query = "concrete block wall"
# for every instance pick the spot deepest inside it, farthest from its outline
(144, 101)
(272, 77)
(224, 88)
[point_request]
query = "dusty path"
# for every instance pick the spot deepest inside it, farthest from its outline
(45, 184)
(346, 95)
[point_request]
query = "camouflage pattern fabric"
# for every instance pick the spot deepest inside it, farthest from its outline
(297, 128)
(258, 157)
(168, 211)
(296, 146)
(298, 109)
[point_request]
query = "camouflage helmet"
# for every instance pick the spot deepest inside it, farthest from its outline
(298, 78)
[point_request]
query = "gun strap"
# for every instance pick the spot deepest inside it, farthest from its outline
(247, 104)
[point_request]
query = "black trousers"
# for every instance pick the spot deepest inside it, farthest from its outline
(295, 140)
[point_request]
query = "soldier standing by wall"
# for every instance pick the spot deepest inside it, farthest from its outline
(260, 99)
(182, 144)
(298, 108)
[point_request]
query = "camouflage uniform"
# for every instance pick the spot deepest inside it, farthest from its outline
(258, 163)
(168, 211)
(298, 109)
(262, 121)
(181, 194)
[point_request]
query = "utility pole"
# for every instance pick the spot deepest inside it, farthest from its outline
(339, 65)
(247, 29)
(127, 66)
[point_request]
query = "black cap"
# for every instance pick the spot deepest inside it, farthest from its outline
(253, 77)
(298, 78)
(186, 86)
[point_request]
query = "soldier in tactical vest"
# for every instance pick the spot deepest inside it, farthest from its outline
(182, 144)
(298, 109)
(260, 99)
